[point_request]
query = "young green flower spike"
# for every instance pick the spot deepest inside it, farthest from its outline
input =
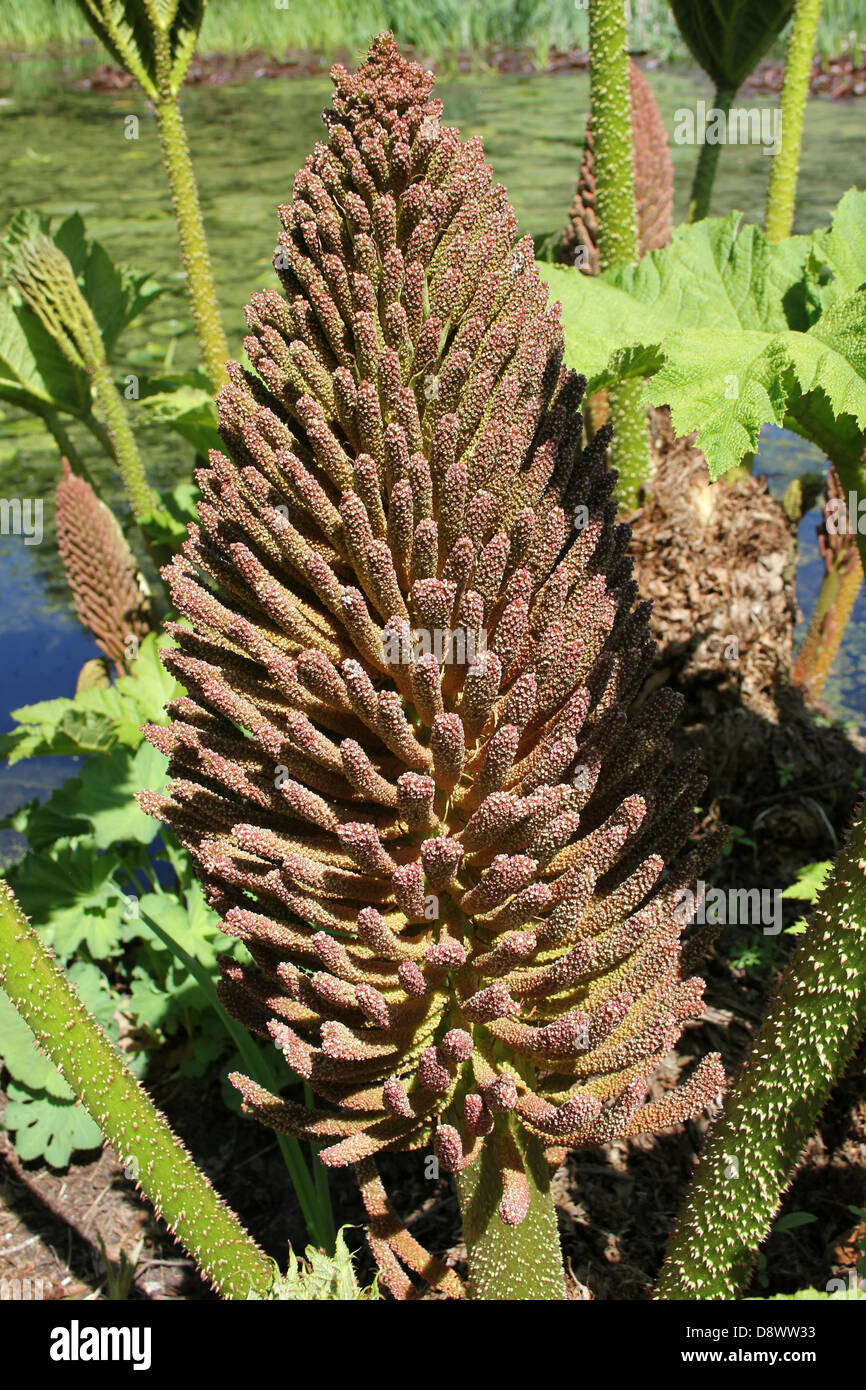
(406, 767)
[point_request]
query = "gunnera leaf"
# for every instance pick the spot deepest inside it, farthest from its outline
(653, 184)
(728, 39)
(407, 767)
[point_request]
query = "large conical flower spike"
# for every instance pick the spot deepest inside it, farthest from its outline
(407, 767)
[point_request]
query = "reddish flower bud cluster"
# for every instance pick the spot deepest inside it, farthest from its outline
(111, 597)
(459, 888)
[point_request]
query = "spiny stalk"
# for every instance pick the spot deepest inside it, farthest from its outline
(617, 223)
(154, 1156)
(811, 1030)
(653, 184)
(782, 192)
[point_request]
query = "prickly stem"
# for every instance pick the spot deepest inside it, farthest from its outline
(810, 1032)
(511, 1262)
(193, 242)
(140, 1135)
(617, 222)
(782, 192)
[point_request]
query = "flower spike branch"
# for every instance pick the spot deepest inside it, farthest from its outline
(164, 1170)
(111, 595)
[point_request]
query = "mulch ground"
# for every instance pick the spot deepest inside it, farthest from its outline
(719, 563)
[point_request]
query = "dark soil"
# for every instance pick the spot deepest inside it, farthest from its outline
(718, 560)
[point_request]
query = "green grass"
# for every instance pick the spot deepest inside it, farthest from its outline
(435, 27)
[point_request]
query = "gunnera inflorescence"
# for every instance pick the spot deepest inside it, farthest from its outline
(407, 767)
(111, 596)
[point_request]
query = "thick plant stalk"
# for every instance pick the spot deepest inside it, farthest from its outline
(143, 501)
(705, 173)
(654, 200)
(653, 184)
(155, 40)
(782, 192)
(836, 598)
(810, 1032)
(193, 243)
(611, 124)
(509, 1263)
(629, 446)
(839, 589)
(617, 223)
(187, 210)
(165, 1172)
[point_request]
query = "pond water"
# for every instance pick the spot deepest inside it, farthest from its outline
(66, 151)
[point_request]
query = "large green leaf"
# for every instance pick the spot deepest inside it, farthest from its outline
(45, 1127)
(185, 406)
(41, 1109)
(729, 37)
(34, 374)
(841, 248)
(69, 893)
(101, 801)
(56, 727)
(190, 923)
(116, 293)
(732, 332)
